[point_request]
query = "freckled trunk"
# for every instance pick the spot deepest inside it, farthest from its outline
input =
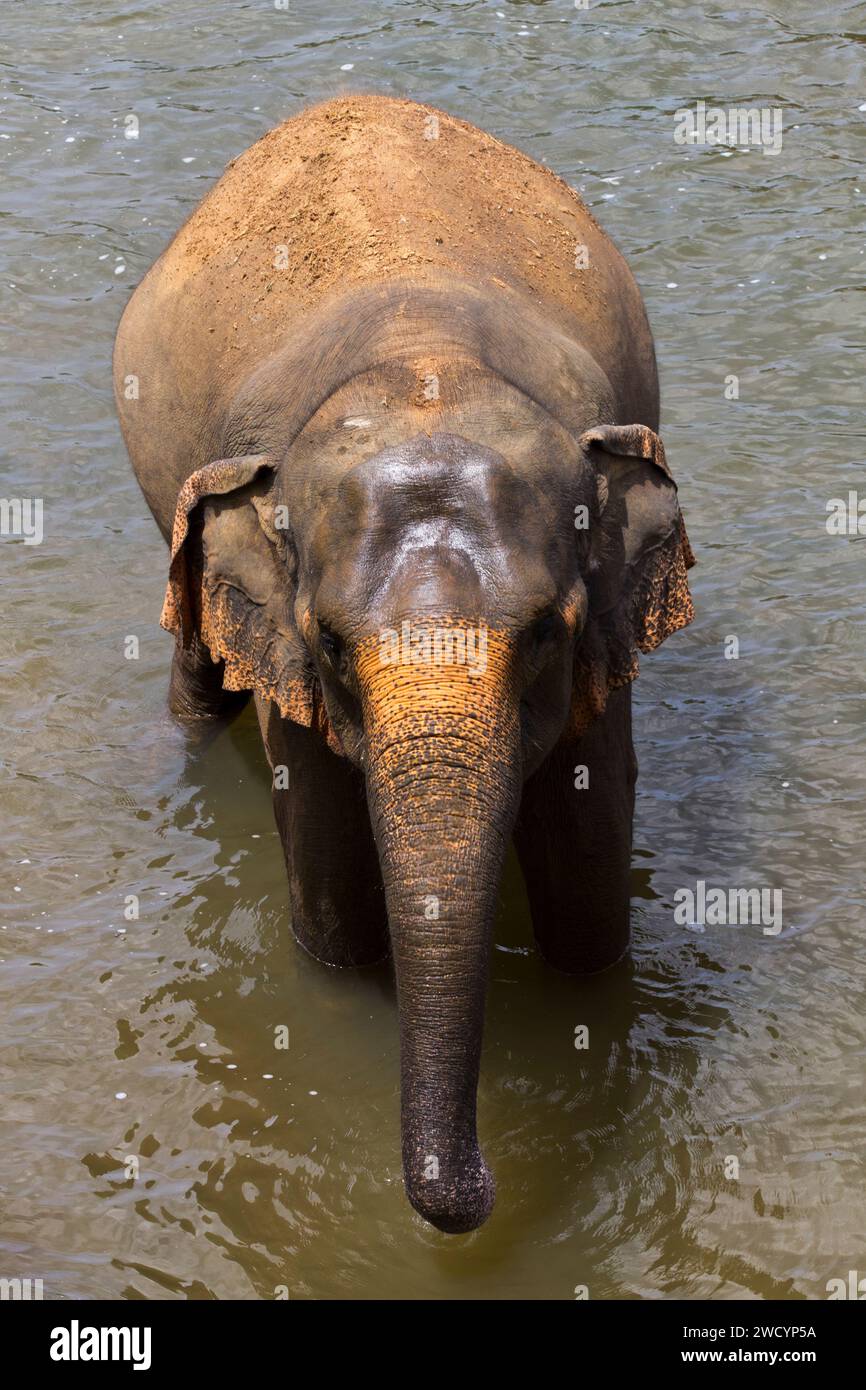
(443, 786)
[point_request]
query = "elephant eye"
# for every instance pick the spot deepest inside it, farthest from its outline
(543, 628)
(331, 644)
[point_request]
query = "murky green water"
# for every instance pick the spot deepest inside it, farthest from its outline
(154, 1037)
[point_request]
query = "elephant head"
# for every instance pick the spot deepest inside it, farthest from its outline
(443, 615)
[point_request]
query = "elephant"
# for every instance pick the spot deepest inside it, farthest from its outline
(391, 396)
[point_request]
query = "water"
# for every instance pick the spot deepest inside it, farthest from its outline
(154, 1038)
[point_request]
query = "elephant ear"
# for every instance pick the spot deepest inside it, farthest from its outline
(232, 580)
(639, 554)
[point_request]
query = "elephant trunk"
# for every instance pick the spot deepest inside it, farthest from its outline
(443, 783)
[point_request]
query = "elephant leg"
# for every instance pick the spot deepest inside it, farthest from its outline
(335, 884)
(574, 843)
(196, 688)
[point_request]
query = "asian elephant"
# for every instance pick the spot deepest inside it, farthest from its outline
(391, 396)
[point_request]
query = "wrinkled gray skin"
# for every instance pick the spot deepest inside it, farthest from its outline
(463, 509)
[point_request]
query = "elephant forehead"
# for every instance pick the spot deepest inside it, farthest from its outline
(430, 483)
(438, 517)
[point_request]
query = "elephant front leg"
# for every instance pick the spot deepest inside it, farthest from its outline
(573, 839)
(335, 884)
